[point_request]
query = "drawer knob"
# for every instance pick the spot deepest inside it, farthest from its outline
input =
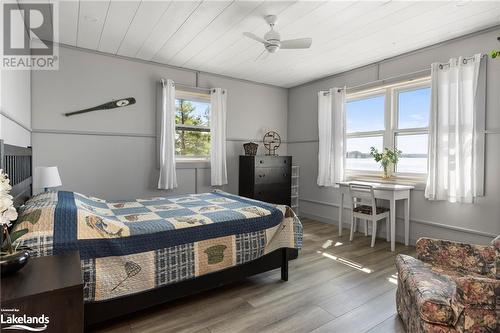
(261, 161)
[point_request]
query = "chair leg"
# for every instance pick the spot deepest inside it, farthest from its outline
(374, 231)
(366, 227)
(352, 227)
(387, 229)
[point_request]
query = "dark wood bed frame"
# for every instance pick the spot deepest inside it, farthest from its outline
(17, 163)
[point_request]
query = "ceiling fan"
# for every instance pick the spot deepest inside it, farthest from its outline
(272, 39)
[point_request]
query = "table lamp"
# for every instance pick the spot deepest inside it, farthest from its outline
(47, 177)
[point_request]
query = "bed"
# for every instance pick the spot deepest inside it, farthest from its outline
(140, 253)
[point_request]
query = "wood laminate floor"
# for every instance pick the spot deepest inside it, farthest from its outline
(334, 286)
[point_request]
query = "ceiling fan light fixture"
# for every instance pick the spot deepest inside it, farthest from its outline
(272, 48)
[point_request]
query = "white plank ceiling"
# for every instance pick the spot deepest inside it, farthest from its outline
(207, 35)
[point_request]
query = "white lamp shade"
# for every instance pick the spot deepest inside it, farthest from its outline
(47, 177)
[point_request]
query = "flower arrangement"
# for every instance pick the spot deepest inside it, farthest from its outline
(386, 158)
(495, 54)
(7, 211)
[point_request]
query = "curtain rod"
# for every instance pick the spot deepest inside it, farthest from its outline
(394, 78)
(464, 61)
(210, 90)
(382, 81)
(162, 81)
(192, 87)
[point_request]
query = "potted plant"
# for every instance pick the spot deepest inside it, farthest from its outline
(12, 258)
(386, 158)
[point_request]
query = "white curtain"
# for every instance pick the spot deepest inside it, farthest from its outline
(218, 99)
(168, 179)
(456, 130)
(331, 128)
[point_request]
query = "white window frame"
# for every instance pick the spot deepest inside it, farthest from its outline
(195, 97)
(391, 130)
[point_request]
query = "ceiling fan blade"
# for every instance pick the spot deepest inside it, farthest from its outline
(260, 55)
(300, 43)
(263, 55)
(255, 37)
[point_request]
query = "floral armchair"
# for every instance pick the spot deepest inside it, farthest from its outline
(451, 287)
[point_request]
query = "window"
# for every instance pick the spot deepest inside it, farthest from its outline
(365, 128)
(192, 125)
(412, 128)
(395, 116)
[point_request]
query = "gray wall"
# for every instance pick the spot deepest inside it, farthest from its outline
(436, 219)
(15, 116)
(112, 154)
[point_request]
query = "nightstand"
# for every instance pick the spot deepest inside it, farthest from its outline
(48, 286)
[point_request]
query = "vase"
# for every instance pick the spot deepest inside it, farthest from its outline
(13, 260)
(11, 263)
(250, 148)
(386, 173)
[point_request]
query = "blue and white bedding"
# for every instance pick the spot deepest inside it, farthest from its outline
(129, 247)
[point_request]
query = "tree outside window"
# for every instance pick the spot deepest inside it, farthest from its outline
(192, 119)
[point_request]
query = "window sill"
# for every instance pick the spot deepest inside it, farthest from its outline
(192, 163)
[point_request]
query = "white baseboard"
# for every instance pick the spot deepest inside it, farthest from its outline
(346, 230)
(484, 236)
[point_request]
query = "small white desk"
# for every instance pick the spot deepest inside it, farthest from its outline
(390, 192)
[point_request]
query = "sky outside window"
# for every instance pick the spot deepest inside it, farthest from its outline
(365, 114)
(414, 108)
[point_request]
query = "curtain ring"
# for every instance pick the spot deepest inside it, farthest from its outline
(440, 66)
(464, 61)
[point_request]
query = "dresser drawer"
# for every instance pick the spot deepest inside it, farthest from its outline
(273, 161)
(272, 176)
(272, 194)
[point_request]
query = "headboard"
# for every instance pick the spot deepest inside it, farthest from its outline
(16, 162)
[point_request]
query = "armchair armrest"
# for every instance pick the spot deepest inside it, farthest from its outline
(472, 290)
(468, 258)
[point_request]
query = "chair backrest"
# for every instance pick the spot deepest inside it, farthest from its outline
(362, 195)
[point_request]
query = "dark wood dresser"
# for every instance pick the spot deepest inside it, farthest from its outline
(266, 178)
(51, 286)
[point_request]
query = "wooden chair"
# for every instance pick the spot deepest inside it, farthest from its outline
(364, 206)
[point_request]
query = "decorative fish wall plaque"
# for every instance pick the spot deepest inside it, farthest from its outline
(106, 106)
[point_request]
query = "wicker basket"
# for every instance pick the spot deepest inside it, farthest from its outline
(250, 148)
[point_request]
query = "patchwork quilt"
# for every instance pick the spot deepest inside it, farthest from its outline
(129, 247)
